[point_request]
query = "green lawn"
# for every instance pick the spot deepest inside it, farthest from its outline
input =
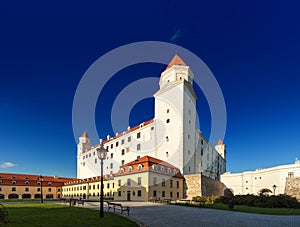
(257, 210)
(34, 214)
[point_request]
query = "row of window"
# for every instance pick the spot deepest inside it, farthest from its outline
(80, 188)
(26, 182)
(139, 193)
(154, 181)
(26, 189)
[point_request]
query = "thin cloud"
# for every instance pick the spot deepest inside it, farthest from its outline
(5, 165)
(177, 34)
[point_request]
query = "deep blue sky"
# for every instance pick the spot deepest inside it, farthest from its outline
(252, 48)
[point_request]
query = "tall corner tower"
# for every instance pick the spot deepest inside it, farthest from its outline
(221, 148)
(175, 114)
(83, 145)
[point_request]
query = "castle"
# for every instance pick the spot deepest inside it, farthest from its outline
(171, 136)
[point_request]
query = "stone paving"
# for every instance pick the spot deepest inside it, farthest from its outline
(153, 214)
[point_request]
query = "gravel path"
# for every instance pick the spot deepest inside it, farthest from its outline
(157, 215)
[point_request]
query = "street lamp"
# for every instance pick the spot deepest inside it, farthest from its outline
(274, 188)
(101, 152)
(41, 184)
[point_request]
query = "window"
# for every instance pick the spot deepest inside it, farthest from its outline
(0, 189)
(163, 182)
(154, 180)
(111, 165)
(154, 193)
(290, 174)
(107, 148)
(201, 151)
(138, 146)
(246, 181)
(107, 185)
(130, 168)
(49, 189)
(98, 186)
(113, 185)
(177, 194)
(122, 170)
(171, 183)
(167, 154)
(152, 128)
(117, 144)
(168, 121)
(128, 182)
(129, 139)
(58, 189)
(139, 181)
(177, 185)
(123, 152)
(94, 187)
(13, 189)
(111, 146)
(27, 182)
(139, 193)
(189, 136)
(95, 160)
(89, 154)
(168, 110)
(13, 182)
(26, 189)
(119, 182)
(167, 138)
(138, 135)
(140, 167)
(162, 169)
(154, 167)
(123, 162)
(84, 188)
(94, 153)
(201, 142)
(38, 189)
(122, 141)
(119, 193)
(171, 194)
(163, 194)
(112, 155)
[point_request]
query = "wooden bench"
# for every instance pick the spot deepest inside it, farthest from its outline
(118, 206)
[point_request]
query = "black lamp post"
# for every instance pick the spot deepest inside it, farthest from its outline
(101, 152)
(274, 188)
(41, 184)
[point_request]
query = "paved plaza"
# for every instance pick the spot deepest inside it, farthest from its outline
(152, 214)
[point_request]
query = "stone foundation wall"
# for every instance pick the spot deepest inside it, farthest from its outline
(197, 184)
(292, 187)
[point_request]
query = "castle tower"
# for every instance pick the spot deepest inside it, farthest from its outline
(83, 145)
(175, 114)
(221, 148)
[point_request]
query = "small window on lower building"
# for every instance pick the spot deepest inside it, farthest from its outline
(49, 189)
(163, 194)
(139, 193)
(177, 194)
(119, 193)
(168, 121)
(154, 193)
(138, 146)
(171, 194)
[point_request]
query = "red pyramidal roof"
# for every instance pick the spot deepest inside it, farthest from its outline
(220, 142)
(84, 134)
(175, 61)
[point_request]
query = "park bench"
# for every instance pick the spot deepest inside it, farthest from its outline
(167, 200)
(117, 206)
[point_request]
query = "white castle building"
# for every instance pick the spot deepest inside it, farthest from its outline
(254, 182)
(171, 136)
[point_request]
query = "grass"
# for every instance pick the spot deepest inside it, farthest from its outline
(34, 214)
(256, 210)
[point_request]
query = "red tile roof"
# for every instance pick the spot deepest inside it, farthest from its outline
(85, 135)
(175, 61)
(220, 142)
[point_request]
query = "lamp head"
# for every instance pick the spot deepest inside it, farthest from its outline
(101, 152)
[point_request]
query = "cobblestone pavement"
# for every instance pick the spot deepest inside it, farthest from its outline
(150, 214)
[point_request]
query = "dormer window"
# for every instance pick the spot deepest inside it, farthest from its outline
(27, 182)
(169, 170)
(162, 169)
(13, 182)
(140, 167)
(49, 183)
(130, 169)
(154, 167)
(122, 170)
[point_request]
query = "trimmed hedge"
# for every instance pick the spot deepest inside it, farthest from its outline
(279, 201)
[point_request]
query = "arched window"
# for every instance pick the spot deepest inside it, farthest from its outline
(154, 167)
(140, 167)
(162, 169)
(169, 170)
(122, 170)
(27, 182)
(130, 169)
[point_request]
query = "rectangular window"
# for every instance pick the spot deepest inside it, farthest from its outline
(201, 142)
(171, 194)
(111, 165)
(94, 187)
(38, 189)
(168, 121)
(138, 135)
(111, 155)
(13, 189)
(111, 146)
(177, 194)
(49, 189)
(177, 184)
(290, 174)
(154, 180)
(98, 186)
(201, 151)
(152, 128)
(123, 162)
(163, 194)
(113, 185)
(163, 182)
(119, 182)
(122, 141)
(168, 110)
(139, 182)
(95, 160)
(171, 183)
(117, 144)
(128, 182)
(123, 152)
(138, 146)
(119, 193)
(0, 189)
(139, 193)
(84, 188)
(107, 148)
(154, 193)
(26, 189)
(129, 139)
(89, 154)
(107, 185)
